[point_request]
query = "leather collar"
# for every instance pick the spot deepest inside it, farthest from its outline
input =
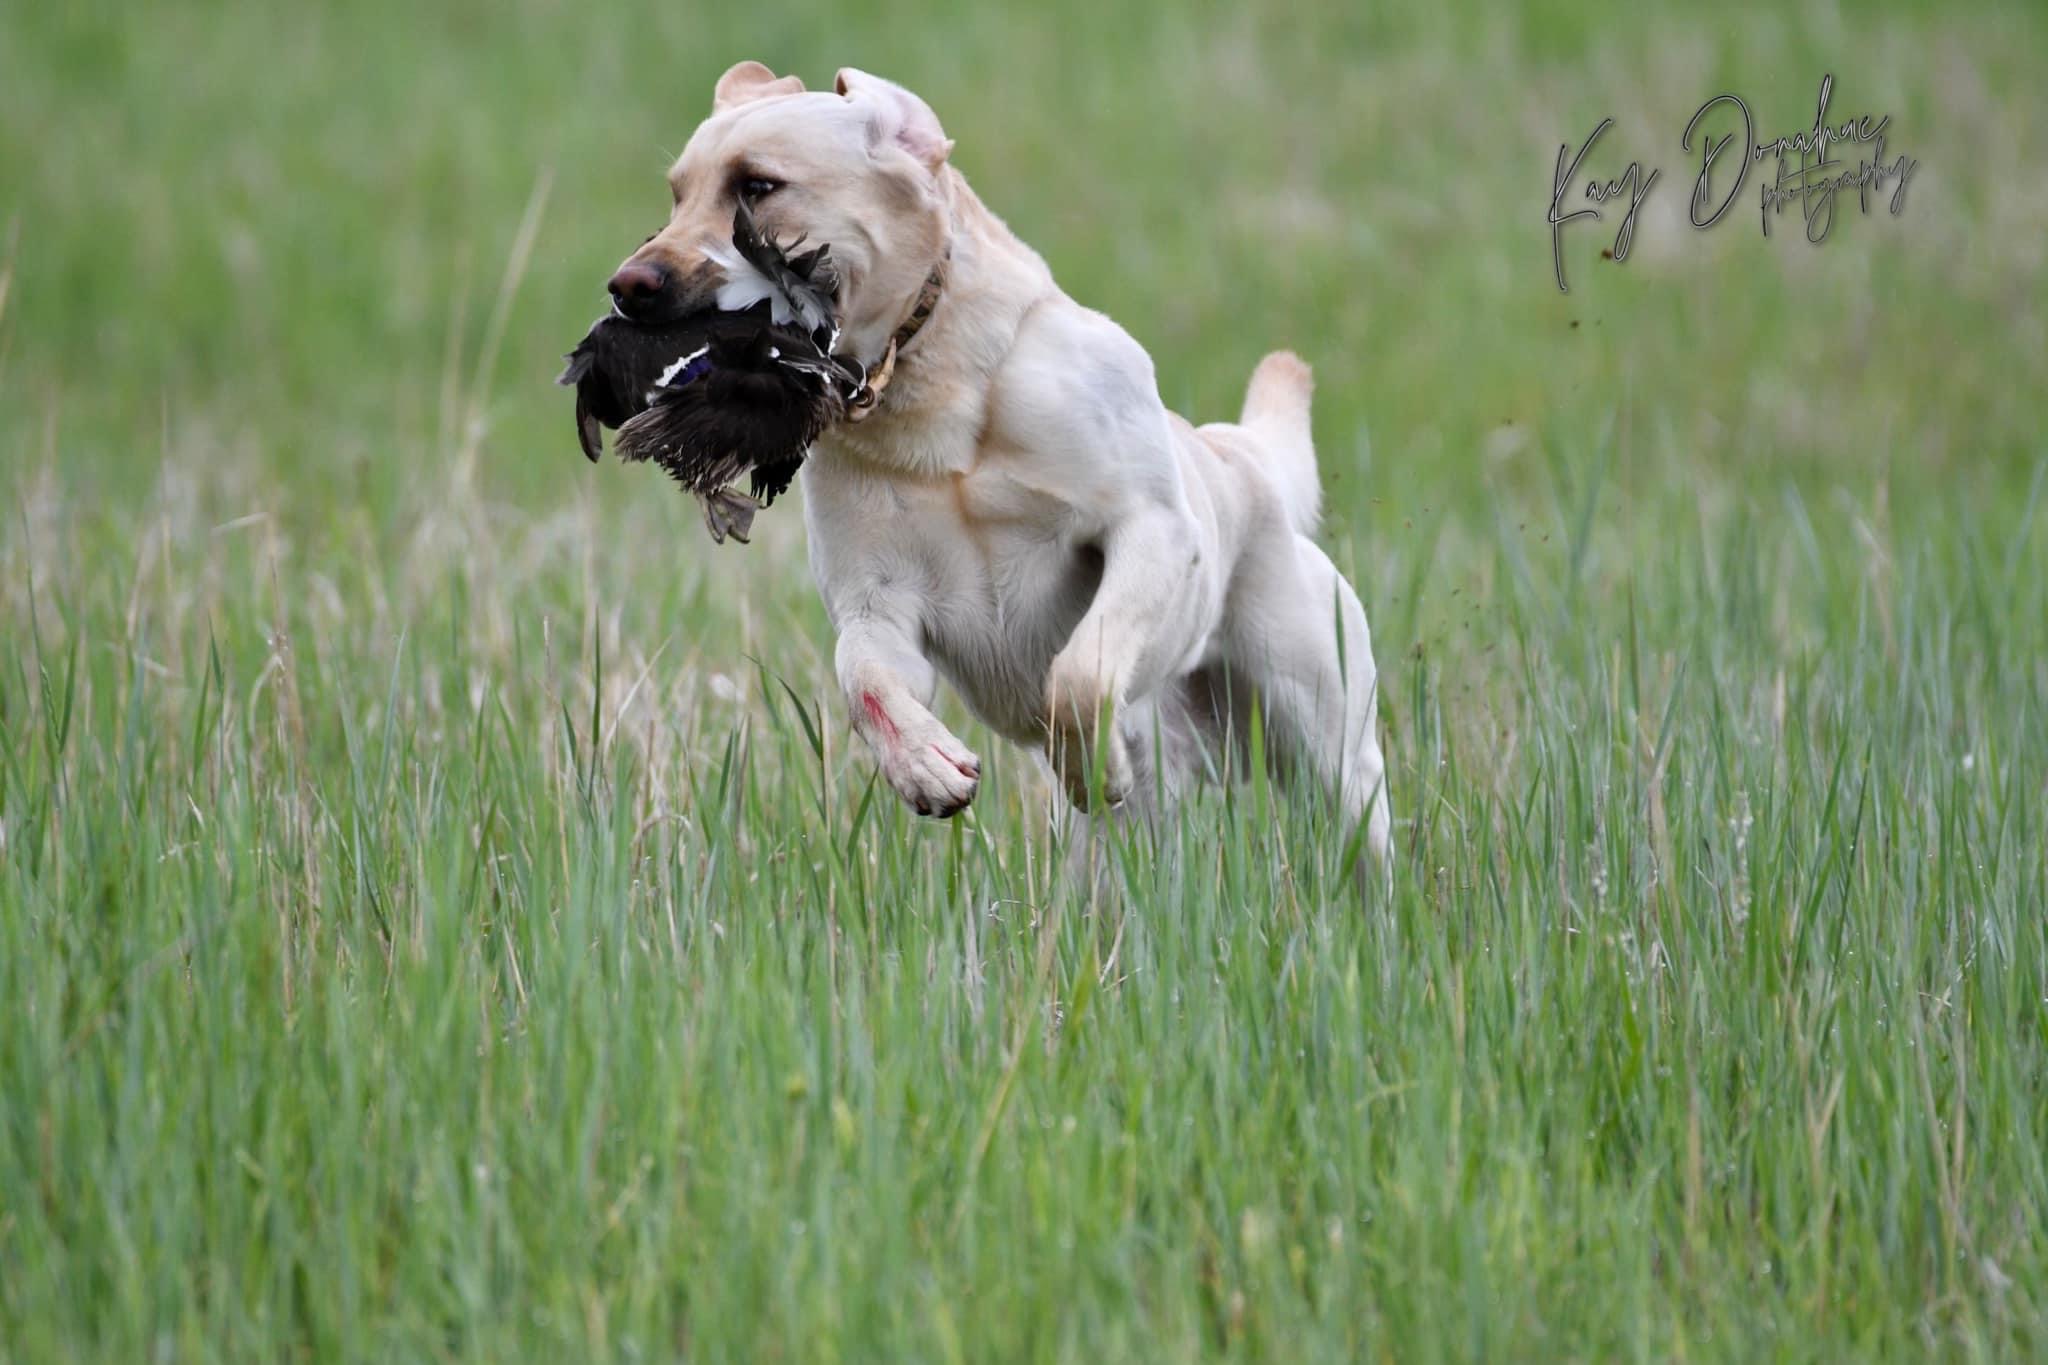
(868, 382)
(927, 299)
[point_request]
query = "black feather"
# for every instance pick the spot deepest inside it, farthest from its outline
(752, 410)
(743, 394)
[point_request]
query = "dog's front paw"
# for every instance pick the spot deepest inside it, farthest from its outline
(933, 772)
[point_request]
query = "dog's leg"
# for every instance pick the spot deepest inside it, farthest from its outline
(1169, 748)
(889, 684)
(1299, 634)
(1150, 609)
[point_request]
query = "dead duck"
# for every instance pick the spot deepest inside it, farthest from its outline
(743, 388)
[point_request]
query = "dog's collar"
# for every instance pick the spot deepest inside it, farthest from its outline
(869, 381)
(927, 299)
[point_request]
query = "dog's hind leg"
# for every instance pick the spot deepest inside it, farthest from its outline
(1297, 632)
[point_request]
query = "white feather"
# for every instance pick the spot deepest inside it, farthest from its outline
(746, 286)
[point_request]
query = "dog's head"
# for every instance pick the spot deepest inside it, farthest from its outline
(862, 169)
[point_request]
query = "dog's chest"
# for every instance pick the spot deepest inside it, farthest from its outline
(986, 562)
(1012, 581)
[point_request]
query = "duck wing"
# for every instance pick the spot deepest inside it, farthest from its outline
(618, 364)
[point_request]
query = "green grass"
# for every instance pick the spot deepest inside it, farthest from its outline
(444, 914)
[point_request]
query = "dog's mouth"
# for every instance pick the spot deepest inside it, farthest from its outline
(752, 293)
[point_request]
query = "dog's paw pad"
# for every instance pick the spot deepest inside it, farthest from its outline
(934, 779)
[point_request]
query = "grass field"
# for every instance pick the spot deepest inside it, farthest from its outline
(444, 913)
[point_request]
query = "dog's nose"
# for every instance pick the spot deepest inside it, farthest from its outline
(640, 288)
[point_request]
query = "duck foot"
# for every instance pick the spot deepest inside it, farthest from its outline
(728, 512)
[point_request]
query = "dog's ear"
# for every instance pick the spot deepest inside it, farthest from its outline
(901, 116)
(749, 81)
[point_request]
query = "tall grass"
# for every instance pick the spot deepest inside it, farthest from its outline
(443, 912)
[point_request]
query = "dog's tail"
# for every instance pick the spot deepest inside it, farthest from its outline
(1276, 406)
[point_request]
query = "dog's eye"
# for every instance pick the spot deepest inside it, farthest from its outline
(757, 187)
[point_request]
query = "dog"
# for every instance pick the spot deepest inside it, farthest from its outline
(1099, 579)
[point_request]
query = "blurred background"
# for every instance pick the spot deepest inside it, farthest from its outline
(318, 264)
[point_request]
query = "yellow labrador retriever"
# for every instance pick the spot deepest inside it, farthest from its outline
(1099, 579)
